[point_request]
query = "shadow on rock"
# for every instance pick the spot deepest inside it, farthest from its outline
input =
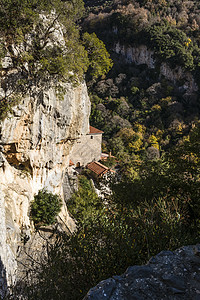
(3, 280)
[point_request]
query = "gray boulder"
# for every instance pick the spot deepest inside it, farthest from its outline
(168, 275)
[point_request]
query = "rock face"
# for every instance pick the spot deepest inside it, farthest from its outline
(3, 281)
(35, 145)
(35, 140)
(142, 55)
(168, 275)
(138, 55)
(178, 74)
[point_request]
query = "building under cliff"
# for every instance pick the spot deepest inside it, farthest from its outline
(87, 153)
(87, 148)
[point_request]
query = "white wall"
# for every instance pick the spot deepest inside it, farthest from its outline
(88, 149)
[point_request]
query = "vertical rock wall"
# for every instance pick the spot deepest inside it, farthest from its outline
(35, 143)
(142, 55)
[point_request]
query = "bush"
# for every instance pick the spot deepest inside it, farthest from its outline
(45, 208)
(99, 59)
(134, 90)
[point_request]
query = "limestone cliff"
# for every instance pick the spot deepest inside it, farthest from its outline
(138, 55)
(35, 144)
(142, 55)
(37, 135)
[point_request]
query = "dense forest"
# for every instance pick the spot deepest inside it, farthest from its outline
(150, 123)
(142, 112)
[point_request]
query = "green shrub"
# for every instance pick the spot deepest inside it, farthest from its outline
(6, 105)
(45, 208)
(172, 45)
(134, 90)
(99, 59)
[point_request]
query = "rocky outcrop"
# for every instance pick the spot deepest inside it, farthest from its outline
(36, 136)
(142, 55)
(168, 275)
(138, 55)
(179, 75)
(35, 144)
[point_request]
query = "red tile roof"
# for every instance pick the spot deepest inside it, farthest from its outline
(71, 163)
(94, 130)
(97, 168)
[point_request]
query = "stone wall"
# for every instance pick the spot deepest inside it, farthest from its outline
(87, 149)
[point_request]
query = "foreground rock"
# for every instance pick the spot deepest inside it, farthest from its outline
(168, 275)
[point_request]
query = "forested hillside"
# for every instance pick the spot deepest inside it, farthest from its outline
(149, 106)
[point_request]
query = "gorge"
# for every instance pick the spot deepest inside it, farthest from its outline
(57, 86)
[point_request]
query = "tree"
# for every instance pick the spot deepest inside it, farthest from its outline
(99, 58)
(174, 177)
(45, 208)
(111, 236)
(29, 32)
(19, 16)
(171, 44)
(28, 37)
(155, 210)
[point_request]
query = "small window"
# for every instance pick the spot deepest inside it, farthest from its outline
(91, 137)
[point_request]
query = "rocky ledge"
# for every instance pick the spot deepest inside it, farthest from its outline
(168, 275)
